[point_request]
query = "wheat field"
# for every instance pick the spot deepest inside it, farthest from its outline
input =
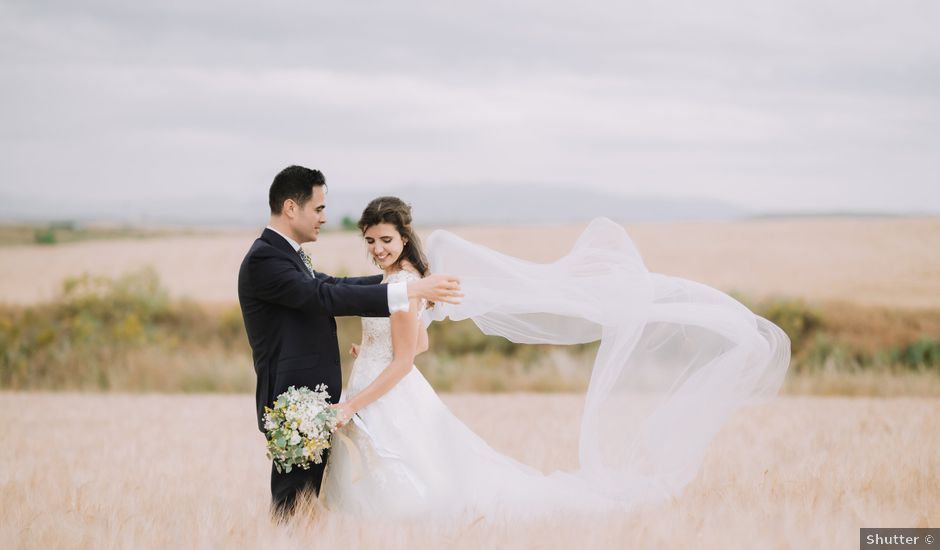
(188, 471)
(173, 471)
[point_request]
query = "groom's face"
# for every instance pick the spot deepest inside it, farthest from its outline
(308, 218)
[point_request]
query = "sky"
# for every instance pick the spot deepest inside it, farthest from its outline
(780, 106)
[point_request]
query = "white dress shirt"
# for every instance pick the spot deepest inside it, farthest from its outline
(397, 292)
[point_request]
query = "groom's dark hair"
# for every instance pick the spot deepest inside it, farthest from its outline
(293, 182)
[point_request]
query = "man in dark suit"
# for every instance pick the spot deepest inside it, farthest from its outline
(289, 309)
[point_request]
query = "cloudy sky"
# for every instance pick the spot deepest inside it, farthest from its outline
(788, 105)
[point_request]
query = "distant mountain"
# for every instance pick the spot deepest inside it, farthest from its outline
(442, 205)
(510, 204)
(206, 210)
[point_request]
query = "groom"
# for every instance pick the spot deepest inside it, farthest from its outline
(289, 309)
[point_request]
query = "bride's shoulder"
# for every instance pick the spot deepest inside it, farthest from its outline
(406, 273)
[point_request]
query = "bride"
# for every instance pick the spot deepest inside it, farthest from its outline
(676, 360)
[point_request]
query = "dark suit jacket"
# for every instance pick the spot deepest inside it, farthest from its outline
(289, 317)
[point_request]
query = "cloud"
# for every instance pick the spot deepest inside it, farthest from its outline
(774, 105)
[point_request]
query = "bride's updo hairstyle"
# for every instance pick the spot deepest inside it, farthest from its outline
(395, 211)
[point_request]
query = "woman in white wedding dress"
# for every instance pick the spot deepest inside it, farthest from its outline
(676, 360)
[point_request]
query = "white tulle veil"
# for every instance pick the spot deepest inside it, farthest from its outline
(676, 358)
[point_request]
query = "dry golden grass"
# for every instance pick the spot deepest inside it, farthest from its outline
(870, 328)
(150, 471)
(870, 261)
(861, 382)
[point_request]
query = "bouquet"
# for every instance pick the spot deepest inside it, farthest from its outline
(299, 426)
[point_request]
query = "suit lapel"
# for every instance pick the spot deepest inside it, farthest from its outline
(281, 244)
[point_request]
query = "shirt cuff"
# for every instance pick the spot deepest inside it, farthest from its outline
(397, 297)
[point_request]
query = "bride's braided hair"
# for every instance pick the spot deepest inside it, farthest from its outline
(397, 212)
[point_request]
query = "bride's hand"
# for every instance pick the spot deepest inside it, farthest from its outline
(354, 350)
(345, 413)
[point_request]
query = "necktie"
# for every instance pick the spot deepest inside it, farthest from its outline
(307, 261)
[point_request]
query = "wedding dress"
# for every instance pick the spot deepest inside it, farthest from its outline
(676, 360)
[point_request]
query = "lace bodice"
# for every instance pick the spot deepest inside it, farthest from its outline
(375, 352)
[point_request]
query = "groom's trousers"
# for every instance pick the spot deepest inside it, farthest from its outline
(287, 487)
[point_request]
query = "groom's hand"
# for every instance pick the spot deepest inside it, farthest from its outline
(436, 288)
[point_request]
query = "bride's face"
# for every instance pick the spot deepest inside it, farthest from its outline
(384, 243)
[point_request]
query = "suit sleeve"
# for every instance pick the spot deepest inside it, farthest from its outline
(277, 280)
(368, 280)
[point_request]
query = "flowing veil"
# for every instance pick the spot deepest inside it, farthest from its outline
(676, 358)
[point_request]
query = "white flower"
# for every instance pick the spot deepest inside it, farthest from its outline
(304, 415)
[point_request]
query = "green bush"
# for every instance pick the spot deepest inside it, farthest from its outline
(349, 224)
(127, 334)
(797, 319)
(100, 329)
(45, 236)
(922, 353)
(824, 352)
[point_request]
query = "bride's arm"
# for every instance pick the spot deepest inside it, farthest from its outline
(423, 344)
(405, 327)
